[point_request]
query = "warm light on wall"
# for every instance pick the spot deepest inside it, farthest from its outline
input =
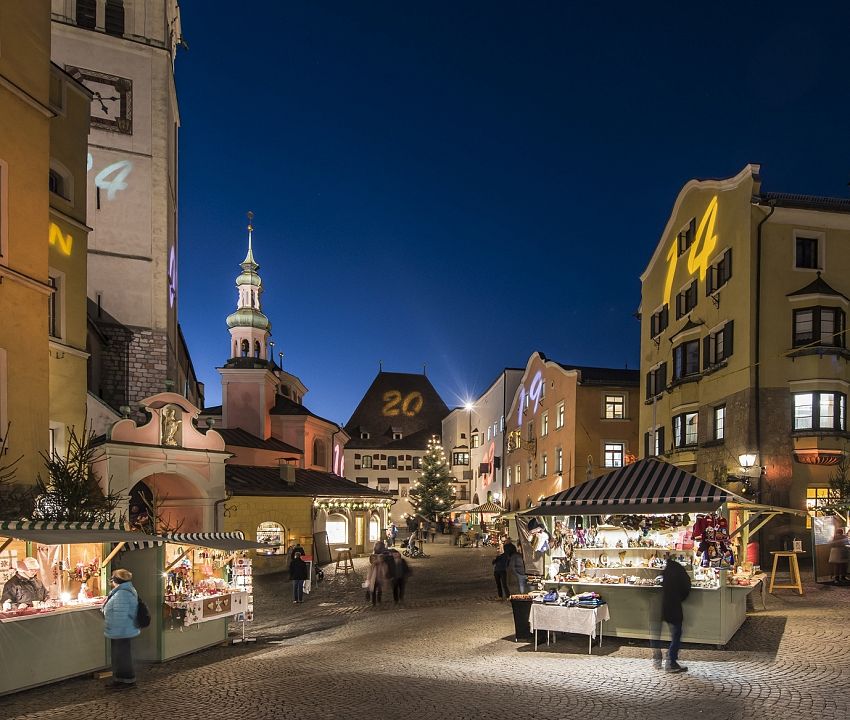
(699, 257)
(65, 243)
(411, 404)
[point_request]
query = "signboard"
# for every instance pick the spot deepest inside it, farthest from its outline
(321, 549)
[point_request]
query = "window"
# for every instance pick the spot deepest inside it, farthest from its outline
(367, 461)
(114, 24)
(653, 442)
(819, 326)
(529, 471)
(54, 307)
(720, 422)
(659, 320)
(820, 411)
(508, 477)
(685, 429)
(392, 462)
(816, 498)
(717, 346)
(615, 407)
(475, 440)
(656, 381)
(559, 460)
(544, 424)
(686, 359)
(257, 349)
(559, 418)
(718, 275)
(364, 436)
(686, 300)
(246, 348)
(544, 465)
(397, 436)
(518, 475)
(488, 433)
(337, 529)
(531, 430)
(417, 463)
(86, 13)
(502, 424)
(686, 236)
(272, 533)
(55, 183)
(614, 454)
(460, 458)
(319, 452)
(806, 253)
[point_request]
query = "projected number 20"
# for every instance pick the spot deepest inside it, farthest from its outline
(395, 404)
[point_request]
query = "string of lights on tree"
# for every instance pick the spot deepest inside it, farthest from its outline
(432, 493)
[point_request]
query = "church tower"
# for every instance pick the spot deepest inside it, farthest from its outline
(249, 384)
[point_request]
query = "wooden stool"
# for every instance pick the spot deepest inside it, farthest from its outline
(343, 555)
(793, 568)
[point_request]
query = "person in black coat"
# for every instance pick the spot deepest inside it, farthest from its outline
(676, 585)
(298, 572)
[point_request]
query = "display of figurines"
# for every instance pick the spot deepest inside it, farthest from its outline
(622, 556)
(603, 560)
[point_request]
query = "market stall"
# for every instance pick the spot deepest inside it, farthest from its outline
(616, 531)
(54, 579)
(194, 584)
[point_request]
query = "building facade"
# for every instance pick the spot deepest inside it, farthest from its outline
(389, 432)
(743, 349)
(567, 424)
(474, 439)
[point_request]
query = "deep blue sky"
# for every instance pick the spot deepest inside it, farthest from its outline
(462, 183)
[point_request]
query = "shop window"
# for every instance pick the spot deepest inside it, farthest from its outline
(806, 255)
(717, 346)
(686, 359)
(719, 274)
(656, 381)
(392, 462)
(374, 529)
(615, 407)
(820, 411)
(659, 320)
(114, 22)
(686, 300)
(544, 424)
(559, 416)
(366, 462)
(685, 429)
(819, 326)
(337, 529)
(720, 422)
(417, 463)
(86, 13)
(686, 236)
(272, 533)
(613, 454)
(460, 458)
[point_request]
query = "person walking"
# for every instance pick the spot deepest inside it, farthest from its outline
(394, 529)
(119, 614)
(675, 588)
(839, 555)
(378, 576)
(517, 567)
(500, 573)
(401, 572)
(432, 528)
(389, 535)
(299, 571)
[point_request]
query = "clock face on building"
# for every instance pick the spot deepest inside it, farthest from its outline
(112, 101)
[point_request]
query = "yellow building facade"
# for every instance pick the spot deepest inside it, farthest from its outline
(744, 371)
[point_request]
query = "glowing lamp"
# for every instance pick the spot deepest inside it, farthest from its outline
(747, 460)
(65, 597)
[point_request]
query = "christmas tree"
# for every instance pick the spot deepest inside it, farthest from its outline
(432, 493)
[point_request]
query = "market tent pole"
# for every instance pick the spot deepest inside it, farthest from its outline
(6, 544)
(117, 549)
(180, 557)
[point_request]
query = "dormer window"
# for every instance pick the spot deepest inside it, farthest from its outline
(397, 436)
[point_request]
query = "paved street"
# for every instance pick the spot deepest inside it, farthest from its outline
(450, 654)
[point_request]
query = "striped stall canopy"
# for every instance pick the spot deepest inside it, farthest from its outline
(68, 533)
(229, 541)
(489, 508)
(647, 486)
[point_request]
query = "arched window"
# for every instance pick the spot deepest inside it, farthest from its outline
(374, 529)
(114, 24)
(246, 348)
(272, 533)
(489, 496)
(235, 348)
(337, 529)
(475, 500)
(142, 509)
(86, 13)
(516, 505)
(319, 453)
(528, 501)
(257, 349)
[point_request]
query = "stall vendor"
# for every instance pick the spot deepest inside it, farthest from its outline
(24, 587)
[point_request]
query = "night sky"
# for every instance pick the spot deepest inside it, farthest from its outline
(463, 183)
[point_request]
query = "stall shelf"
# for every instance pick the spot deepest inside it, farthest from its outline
(197, 584)
(63, 637)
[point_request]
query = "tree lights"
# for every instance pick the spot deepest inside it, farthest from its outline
(432, 493)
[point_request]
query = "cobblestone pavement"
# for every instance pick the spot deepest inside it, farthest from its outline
(449, 653)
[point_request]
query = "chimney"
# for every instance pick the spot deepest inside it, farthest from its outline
(287, 473)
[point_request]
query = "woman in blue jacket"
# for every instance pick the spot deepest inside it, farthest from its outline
(120, 627)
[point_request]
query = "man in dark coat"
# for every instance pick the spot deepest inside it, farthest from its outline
(676, 586)
(298, 573)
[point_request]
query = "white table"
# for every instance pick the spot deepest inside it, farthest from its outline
(559, 618)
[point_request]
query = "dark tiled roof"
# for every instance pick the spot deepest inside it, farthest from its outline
(818, 286)
(242, 438)
(605, 376)
(251, 480)
(804, 202)
(284, 406)
(370, 417)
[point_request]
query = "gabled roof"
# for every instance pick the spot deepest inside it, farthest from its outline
(393, 401)
(242, 438)
(266, 481)
(804, 202)
(603, 376)
(284, 406)
(818, 286)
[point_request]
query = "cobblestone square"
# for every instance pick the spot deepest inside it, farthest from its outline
(449, 653)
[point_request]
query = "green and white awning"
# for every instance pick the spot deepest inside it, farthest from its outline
(69, 533)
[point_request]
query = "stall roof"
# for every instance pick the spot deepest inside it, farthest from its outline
(469, 507)
(68, 533)
(489, 508)
(647, 486)
(228, 541)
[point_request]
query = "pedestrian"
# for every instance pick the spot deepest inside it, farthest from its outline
(675, 588)
(378, 576)
(119, 614)
(389, 534)
(296, 548)
(401, 571)
(500, 573)
(432, 528)
(394, 529)
(839, 554)
(299, 571)
(517, 567)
